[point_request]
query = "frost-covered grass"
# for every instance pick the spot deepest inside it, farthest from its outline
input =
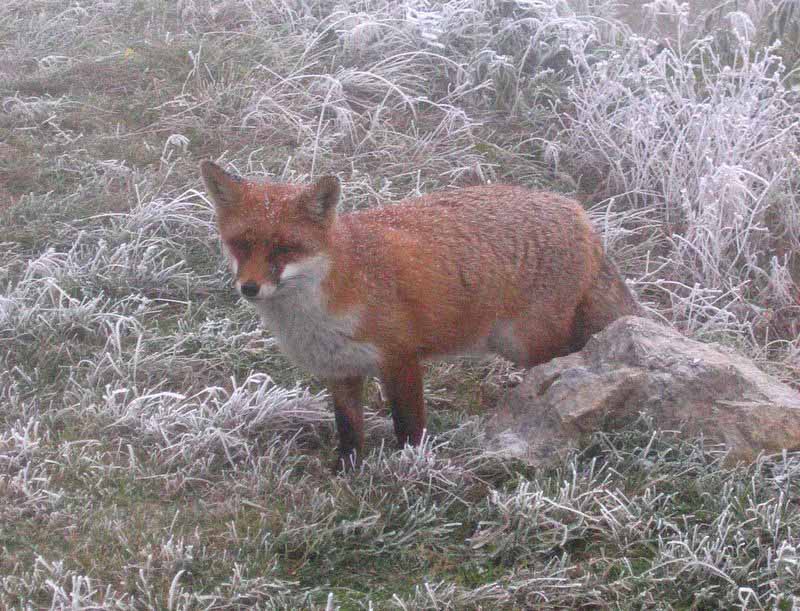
(695, 148)
(157, 450)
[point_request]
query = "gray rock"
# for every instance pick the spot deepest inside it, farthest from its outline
(639, 366)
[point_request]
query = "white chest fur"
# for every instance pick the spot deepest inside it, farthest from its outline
(308, 334)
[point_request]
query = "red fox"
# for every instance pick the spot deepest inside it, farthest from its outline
(494, 268)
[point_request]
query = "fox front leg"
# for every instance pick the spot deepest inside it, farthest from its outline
(402, 381)
(347, 395)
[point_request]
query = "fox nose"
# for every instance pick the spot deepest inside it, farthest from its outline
(249, 289)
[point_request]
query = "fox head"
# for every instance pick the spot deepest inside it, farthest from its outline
(274, 235)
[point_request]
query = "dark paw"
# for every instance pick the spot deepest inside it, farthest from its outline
(346, 462)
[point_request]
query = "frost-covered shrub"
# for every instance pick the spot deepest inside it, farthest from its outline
(415, 86)
(696, 161)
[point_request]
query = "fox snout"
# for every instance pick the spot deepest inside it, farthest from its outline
(253, 291)
(249, 289)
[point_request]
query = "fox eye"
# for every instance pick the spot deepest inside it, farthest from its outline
(281, 250)
(240, 246)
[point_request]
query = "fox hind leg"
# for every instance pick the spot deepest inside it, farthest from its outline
(534, 339)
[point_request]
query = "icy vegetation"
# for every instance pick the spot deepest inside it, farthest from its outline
(156, 449)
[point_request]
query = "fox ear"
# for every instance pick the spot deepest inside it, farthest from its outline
(322, 197)
(224, 188)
